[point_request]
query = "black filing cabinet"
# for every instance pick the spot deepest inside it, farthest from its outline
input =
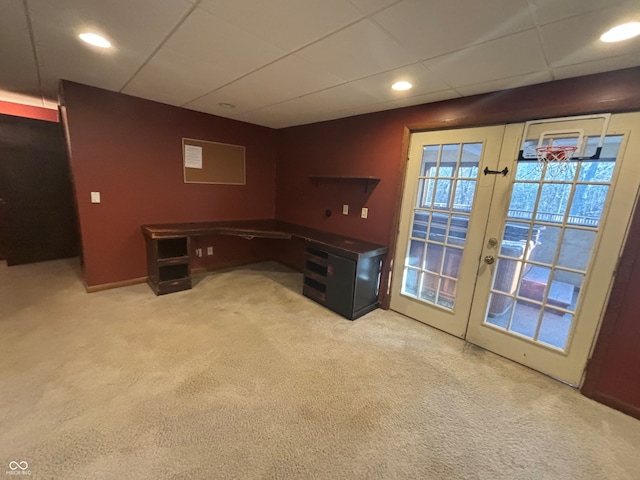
(346, 284)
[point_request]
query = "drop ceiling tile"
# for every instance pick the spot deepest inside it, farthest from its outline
(598, 66)
(285, 23)
(18, 72)
(432, 28)
(506, 83)
(287, 78)
(547, 11)
(379, 85)
(273, 116)
(175, 79)
(61, 55)
(510, 56)
(319, 106)
(199, 58)
(417, 100)
(358, 51)
(334, 99)
(583, 44)
(371, 6)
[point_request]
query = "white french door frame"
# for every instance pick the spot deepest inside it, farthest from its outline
(568, 365)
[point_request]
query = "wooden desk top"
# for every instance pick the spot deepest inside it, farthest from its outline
(346, 246)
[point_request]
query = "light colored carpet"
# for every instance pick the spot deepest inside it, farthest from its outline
(244, 378)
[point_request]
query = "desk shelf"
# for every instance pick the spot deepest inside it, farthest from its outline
(168, 265)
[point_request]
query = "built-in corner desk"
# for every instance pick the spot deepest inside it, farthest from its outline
(341, 273)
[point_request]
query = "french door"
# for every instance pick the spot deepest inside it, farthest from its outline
(508, 253)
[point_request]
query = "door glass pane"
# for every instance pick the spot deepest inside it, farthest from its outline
(587, 205)
(434, 257)
(546, 245)
(528, 171)
(441, 217)
(442, 199)
(555, 327)
(452, 259)
(449, 160)
(553, 202)
(410, 283)
(429, 287)
(564, 172)
(438, 228)
(509, 273)
(524, 320)
(429, 160)
(575, 240)
(425, 193)
(416, 253)
(596, 171)
(465, 189)
(544, 259)
(470, 160)
(458, 230)
(523, 199)
(564, 289)
(420, 224)
(500, 308)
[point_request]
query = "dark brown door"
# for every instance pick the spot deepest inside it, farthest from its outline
(39, 221)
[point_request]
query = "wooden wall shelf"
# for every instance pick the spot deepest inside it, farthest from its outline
(373, 181)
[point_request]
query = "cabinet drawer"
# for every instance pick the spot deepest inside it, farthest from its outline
(315, 276)
(313, 257)
(170, 286)
(313, 294)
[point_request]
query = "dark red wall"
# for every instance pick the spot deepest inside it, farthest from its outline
(613, 374)
(130, 150)
(376, 145)
(28, 111)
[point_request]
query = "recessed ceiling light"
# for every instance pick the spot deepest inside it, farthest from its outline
(226, 105)
(401, 86)
(621, 32)
(95, 39)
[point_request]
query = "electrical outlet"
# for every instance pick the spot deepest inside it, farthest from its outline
(198, 252)
(209, 250)
(364, 213)
(345, 209)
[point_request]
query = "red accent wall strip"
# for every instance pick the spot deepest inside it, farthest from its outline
(28, 111)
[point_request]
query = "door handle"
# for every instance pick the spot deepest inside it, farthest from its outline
(489, 259)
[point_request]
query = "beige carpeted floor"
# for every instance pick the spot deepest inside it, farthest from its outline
(244, 378)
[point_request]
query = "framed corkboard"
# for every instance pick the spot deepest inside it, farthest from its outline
(213, 162)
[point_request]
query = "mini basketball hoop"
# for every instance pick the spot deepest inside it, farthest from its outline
(559, 144)
(557, 156)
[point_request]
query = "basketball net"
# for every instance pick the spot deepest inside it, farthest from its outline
(555, 159)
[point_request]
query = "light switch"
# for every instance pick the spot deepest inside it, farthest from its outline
(95, 197)
(365, 212)
(345, 209)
